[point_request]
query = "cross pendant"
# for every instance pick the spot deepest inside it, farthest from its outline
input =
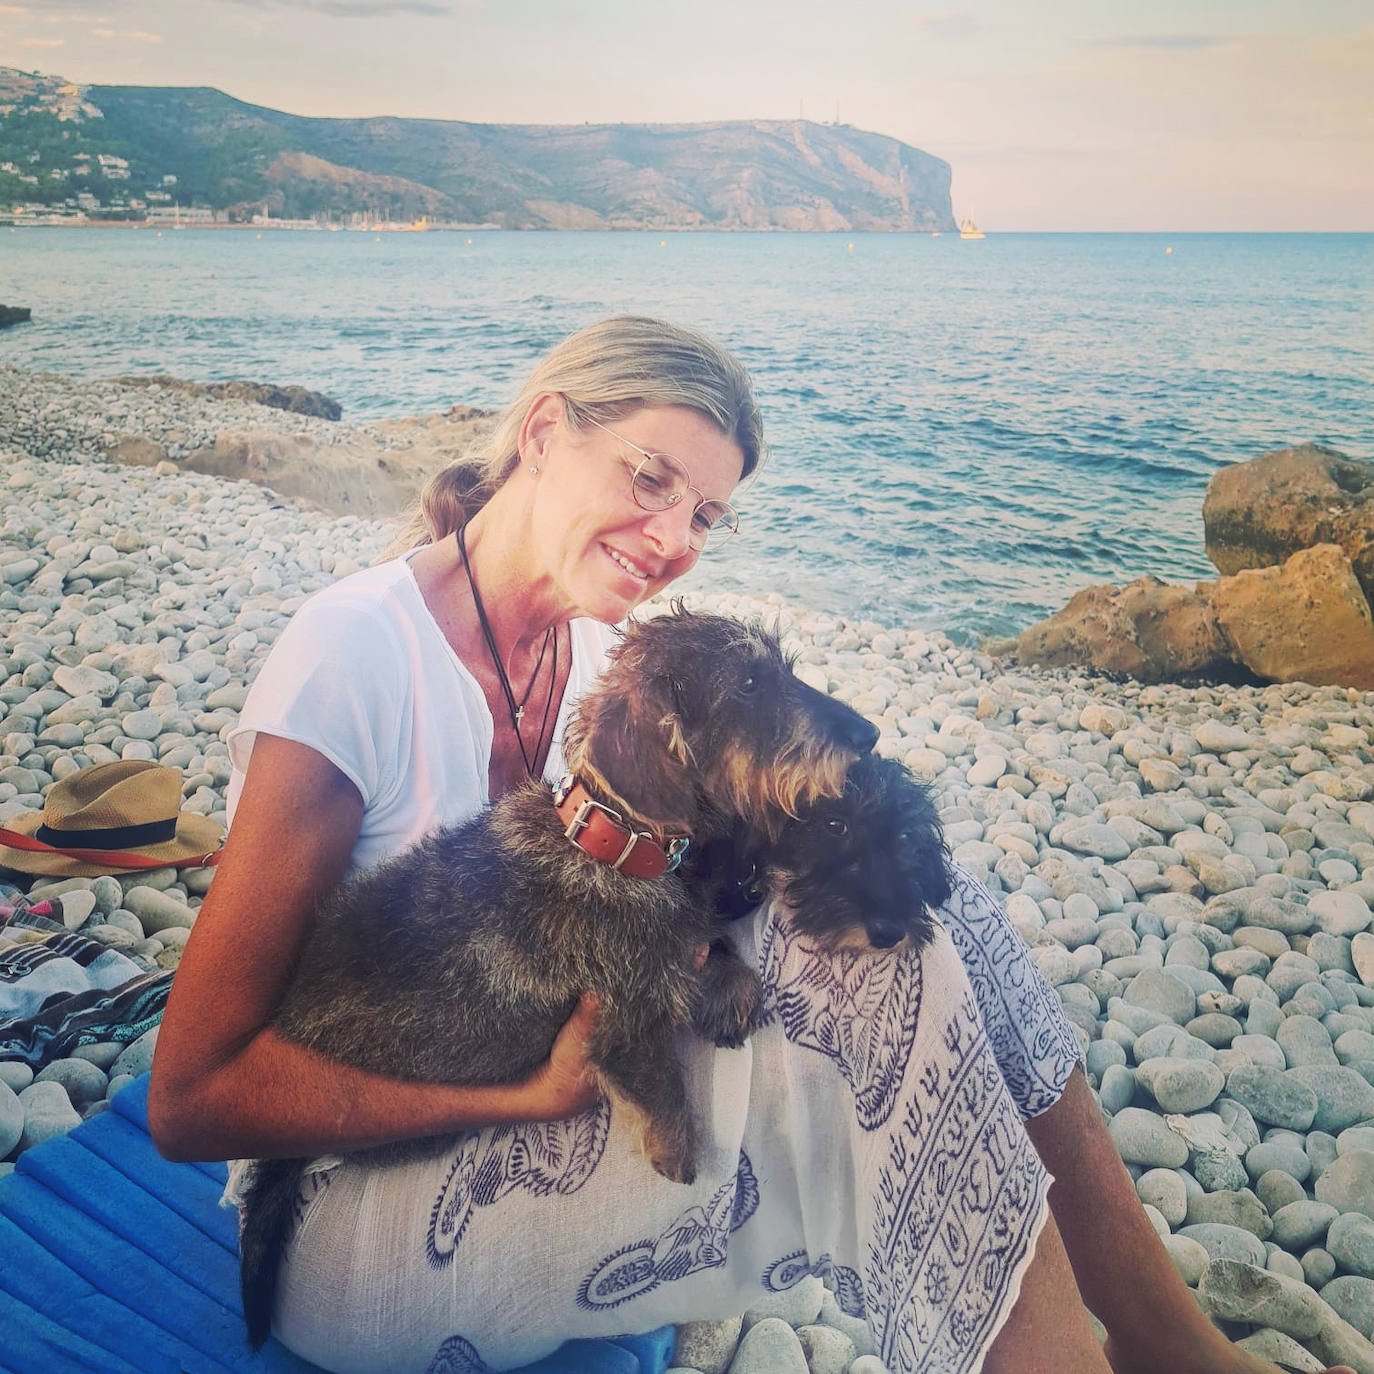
(519, 716)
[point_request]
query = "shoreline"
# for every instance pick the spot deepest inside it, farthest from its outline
(374, 467)
(12, 220)
(1192, 866)
(15, 221)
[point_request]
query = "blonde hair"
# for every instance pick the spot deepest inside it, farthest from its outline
(603, 372)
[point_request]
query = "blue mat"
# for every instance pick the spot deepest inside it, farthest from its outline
(118, 1262)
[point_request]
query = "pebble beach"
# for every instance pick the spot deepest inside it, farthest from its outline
(1192, 867)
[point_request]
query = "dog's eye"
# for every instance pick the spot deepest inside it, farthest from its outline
(749, 685)
(836, 826)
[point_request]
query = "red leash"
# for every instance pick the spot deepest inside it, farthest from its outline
(113, 857)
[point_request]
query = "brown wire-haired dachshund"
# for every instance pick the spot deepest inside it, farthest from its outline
(461, 959)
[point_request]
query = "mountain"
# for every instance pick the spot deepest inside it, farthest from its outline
(202, 147)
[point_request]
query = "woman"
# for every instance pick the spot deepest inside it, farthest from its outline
(408, 695)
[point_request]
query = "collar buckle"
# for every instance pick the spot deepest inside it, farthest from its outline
(604, 834)
(582, 818)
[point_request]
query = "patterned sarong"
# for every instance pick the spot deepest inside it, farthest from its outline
(866, 1134)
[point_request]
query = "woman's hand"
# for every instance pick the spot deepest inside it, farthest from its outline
(225, 1084)
(566, 1083)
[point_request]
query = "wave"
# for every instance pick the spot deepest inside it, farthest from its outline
(956, 448)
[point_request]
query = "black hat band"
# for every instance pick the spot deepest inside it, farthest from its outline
(112, 837)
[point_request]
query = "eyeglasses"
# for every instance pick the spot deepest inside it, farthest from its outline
(660, 482)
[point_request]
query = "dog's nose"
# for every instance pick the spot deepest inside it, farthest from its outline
(844, 725)
(860, 735)
(883, 936)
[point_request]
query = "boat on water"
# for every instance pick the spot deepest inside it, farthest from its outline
(969, 230)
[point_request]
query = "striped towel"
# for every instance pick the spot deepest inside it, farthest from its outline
(59, 990)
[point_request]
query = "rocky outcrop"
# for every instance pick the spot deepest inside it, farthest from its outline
(1306, 620)
(296, 399)
(14, 314)
(1148, 629)
(1293, 534)
(304, 186)
(377, 477)
(738, 174)
(1257, 515)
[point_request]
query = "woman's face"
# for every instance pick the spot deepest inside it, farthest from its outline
(600, 548)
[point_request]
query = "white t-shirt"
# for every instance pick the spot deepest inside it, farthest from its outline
(363, 675)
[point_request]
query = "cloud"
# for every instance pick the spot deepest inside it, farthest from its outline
(356, 9)
(40, 43)
(947, 26)
(131, 35)
(1167, 42)
(13, 9)
(343, 9)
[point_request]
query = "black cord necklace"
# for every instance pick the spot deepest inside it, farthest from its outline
(516, 710)
(539, 663)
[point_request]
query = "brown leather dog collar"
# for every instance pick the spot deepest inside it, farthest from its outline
(600, 830)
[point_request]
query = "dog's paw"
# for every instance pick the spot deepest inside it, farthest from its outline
(676, 1170)
(672, 1152)
(730, 1004)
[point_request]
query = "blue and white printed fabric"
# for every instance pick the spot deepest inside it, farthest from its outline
(866, 1133)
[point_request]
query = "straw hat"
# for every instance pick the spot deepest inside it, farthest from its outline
(129, 808)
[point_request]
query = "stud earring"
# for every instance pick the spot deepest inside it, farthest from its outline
(534, 469)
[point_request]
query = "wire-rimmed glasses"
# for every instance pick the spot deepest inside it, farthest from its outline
(660, 482)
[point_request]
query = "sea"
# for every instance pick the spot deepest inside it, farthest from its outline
(963, 433)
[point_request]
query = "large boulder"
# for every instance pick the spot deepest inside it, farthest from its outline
(1293, 535)
(297, 399)
(14, 314)
(376, 474)
(1307, 621)
(1147, 629)
(136, 451)
(1258, 514)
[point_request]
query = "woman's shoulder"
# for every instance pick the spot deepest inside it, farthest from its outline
(375, 599)
(361, 630)
(372, 586)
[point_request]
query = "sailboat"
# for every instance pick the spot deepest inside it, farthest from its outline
(969, 230)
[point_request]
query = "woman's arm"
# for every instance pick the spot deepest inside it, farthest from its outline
(224, 1084)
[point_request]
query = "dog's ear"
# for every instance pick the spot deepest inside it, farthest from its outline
(682, 701)
(635, 751)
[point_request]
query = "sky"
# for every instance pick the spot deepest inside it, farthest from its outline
(1182, 115)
